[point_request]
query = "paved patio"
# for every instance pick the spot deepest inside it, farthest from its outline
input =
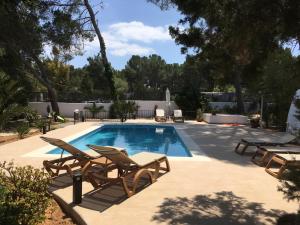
(227, 189)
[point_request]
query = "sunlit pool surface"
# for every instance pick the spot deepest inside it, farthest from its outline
(134, 138)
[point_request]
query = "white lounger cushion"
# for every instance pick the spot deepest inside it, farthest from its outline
(143, 158)
(290, 149)
(282, 140)
(160, 112)
(177, 113)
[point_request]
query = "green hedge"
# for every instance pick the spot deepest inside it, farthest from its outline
(23, 194)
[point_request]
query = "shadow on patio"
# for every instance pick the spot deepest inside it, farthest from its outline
(99, 199)
(219, 142)
(219, 208)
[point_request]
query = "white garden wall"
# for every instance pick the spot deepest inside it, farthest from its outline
(67, 109)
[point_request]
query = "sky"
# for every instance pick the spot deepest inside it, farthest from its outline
(133, 27)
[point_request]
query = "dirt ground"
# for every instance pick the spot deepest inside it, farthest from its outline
(55, 216)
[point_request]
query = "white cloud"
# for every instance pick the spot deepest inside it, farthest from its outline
(121, 38)
(139, 32)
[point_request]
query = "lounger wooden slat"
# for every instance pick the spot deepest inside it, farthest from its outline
(77, 160)
(140, 165)
(283, 161)
(263, 154)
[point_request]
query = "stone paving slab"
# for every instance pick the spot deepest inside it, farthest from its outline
(227, 189)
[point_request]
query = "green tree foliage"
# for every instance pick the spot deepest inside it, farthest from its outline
(291, 185)
(108, 71)
(148, 77)
(120, 84)
(12, 97)
(22, 129)
(194, 79)
(238, 34)
(27, 26)
(24, 194)
(96, 73)
(11, 92)
(280, 78)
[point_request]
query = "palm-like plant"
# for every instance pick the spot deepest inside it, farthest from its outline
(94, 109)
(10, 92)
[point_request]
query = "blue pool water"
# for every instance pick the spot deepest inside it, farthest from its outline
(134, 138)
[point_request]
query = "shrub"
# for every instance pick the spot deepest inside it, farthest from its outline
(41, 123)
(94, 109)
(22, 130)
(123, 109)
(230, 109)
(192, 101)
(23, 194)
(291, 185)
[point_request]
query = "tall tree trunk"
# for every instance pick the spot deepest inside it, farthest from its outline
(107, 67)
(238, 90)
(43, 78)
(53, 99)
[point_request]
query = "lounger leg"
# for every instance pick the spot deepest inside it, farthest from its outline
(243, 149)
(237, 147)
(282, 168)
(136, 179)
(156, 171)
(167, 165)
(263, 156)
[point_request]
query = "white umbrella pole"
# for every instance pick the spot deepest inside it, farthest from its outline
(261, 110)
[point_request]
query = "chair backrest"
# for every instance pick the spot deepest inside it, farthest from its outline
(177, 113)
(67, 147)
(160, 112)
(287, 138)
(113, 154)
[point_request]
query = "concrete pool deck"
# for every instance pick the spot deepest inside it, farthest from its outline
(227, 189)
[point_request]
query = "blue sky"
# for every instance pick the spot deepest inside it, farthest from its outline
(133, 27)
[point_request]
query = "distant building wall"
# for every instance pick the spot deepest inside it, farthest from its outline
(221, 105)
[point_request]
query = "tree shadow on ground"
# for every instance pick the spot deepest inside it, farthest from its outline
(220, 208)
(219, 142)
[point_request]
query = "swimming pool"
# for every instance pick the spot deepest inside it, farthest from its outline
(134, 138)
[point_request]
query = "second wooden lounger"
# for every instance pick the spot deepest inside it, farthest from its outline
(141, 164)
(263, 141)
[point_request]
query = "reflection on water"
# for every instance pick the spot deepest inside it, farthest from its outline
(135, 138)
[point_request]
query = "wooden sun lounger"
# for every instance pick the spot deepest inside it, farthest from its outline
(263, 154)
(160, 115)
(263, 141)
(178, 117)
(140, 165)
(77, 160)
(284, 161)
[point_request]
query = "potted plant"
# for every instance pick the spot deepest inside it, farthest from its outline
(199, 115)
(213, 112)
(255, 120)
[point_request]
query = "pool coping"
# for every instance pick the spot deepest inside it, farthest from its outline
(194, 149)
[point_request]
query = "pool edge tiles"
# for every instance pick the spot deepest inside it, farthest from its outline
(193, 151)
(43, 151)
